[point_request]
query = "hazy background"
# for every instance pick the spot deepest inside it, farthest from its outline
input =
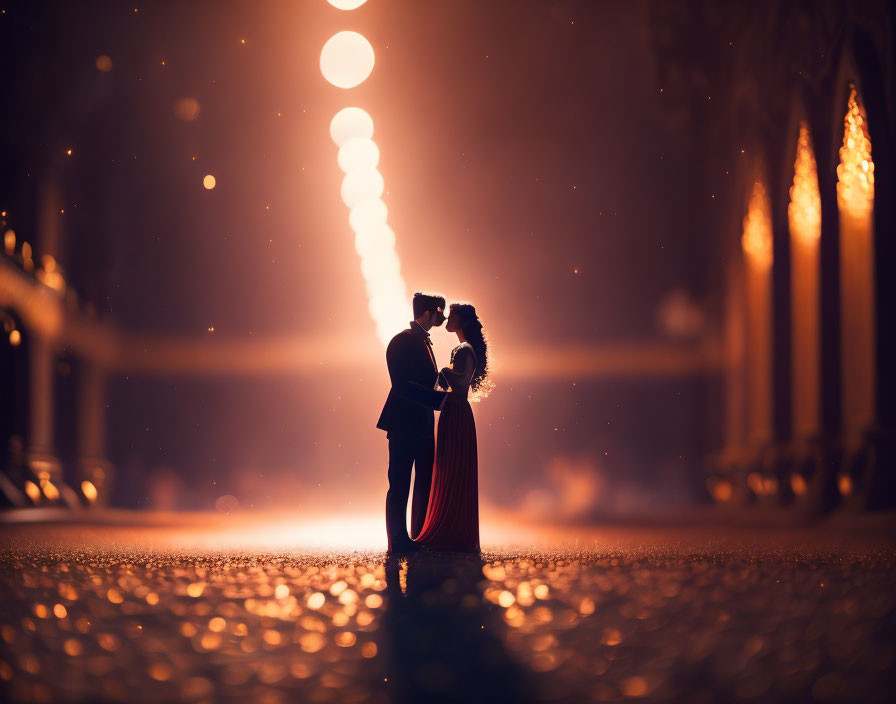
(533, 167)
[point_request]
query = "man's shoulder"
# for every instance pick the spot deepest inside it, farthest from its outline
(401, 339)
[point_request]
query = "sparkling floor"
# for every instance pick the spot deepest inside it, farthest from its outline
(124, 613)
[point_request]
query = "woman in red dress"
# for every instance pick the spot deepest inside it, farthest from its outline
(452, 517)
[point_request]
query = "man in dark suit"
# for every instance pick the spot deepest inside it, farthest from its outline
(409, 420)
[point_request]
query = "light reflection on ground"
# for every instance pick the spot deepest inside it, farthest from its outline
(215, 610)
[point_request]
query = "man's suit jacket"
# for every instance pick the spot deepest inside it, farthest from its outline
(413, 398)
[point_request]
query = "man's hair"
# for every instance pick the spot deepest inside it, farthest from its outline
(427, 301)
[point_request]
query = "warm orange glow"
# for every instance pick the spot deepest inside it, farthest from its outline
(89, 491)
(32, 490)
(804, 210)
(104, 63)
(346, 4)
(798, 484)
(855, 174)
(187, 109)
(50, 490)
(720, 489)
(346, 59)
(9, 241)
(358, 154)
(209, 182)
(844, 484)
(15, 338)
(350, 123)
(757, 236)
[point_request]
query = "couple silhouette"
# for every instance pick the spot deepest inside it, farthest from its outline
(445, 502)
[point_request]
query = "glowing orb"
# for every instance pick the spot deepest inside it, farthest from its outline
(346, 59)
(383, 265)
(387, 288)
(104, 63)
(187, 109)
(369, 240)
(209, 182)
(368, 214)
(358, 154)
(350, 123)
(359, 186)
(389, 311)
(346, 4)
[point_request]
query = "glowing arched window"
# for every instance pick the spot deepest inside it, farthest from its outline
(855, 174)
(757, 237)
(804, 210)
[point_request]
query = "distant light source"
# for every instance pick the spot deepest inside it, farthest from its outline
(359, 186)
(15, 338)
(368, 214)
(9, 241)
(804, 209)
(104, 63)
(187, 109)
(855, 173)
(350, 123)
(89, 490)
(358, 154)
(346, 4)
(346, 59)
(757, 237)
(209, 182)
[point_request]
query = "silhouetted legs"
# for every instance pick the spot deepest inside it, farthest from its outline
(408, 452)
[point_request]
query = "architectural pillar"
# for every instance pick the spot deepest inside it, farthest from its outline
(804, 224)
(758, 257)
(855, 201)
(94, 472)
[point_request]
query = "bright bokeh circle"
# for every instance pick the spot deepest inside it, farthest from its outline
(209, 182)
(369, 240)
(346, 4)
(358, 154)
(347, 59)
(368, 214)
(394, 287)
(383, 266)
(350, 123)
(358, 186)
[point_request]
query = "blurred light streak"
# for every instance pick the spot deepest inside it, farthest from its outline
(346, 60)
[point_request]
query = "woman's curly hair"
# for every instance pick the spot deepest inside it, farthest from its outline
(472, 329)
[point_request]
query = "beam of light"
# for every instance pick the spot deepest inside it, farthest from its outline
(757, 236)
(855, 173)
(347, 59)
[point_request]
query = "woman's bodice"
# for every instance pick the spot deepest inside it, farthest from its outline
(460, 373)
